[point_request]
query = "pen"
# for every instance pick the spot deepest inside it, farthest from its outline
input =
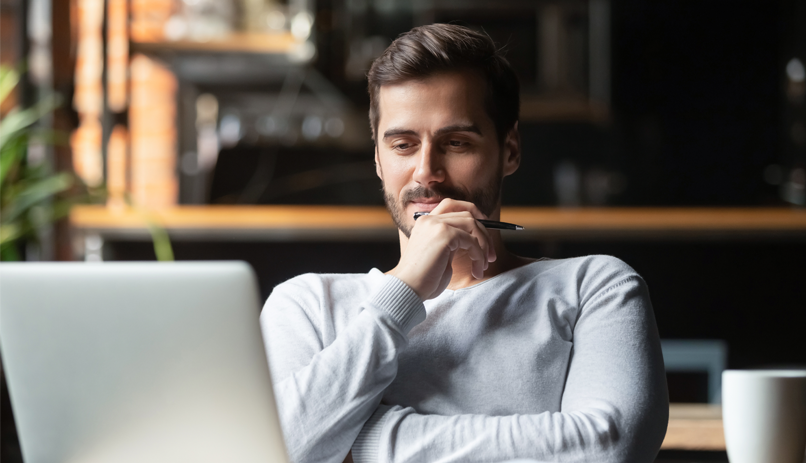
(492, 224)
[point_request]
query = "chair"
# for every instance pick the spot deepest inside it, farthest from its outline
(709, 355)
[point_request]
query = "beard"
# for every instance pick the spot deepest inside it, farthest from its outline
(486, 199)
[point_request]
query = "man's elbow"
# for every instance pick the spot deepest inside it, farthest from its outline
(607, 435)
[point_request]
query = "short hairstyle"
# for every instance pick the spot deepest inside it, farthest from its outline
(428, 50)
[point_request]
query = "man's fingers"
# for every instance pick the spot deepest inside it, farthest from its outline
(470, 244)
(452, 205)
(448, 205)
(467, 223)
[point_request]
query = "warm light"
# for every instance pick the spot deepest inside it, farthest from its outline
(301, 26)
(117, 55)
(275, 20)
(206, 109)
(116, 166)
(85, 142)
(152, 131)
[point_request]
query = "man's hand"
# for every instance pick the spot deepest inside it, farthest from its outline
(426, 264)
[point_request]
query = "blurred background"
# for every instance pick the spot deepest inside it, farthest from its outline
(166, 104)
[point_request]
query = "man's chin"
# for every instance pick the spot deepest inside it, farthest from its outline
(404, 228)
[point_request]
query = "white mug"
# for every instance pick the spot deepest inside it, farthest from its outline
(764, 415)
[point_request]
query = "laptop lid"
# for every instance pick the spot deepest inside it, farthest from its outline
(134, 362)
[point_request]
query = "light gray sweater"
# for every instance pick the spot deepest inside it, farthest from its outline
(558, 360)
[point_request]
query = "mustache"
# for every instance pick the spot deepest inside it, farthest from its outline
(441, 191)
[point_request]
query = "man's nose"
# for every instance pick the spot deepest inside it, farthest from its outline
(429, 167)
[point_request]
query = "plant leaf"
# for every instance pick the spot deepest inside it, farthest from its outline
(35, 193)
(8, 80)
(17, 119)
(162, 242)
(10, 155)
(8, 252)
(9, 232)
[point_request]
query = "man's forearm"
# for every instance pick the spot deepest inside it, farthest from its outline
(598, 435)
(324, 404)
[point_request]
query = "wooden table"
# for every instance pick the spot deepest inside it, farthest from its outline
(694, 427)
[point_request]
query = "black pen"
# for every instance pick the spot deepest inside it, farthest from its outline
(492, 224)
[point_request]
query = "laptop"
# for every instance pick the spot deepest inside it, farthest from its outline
(137, 361)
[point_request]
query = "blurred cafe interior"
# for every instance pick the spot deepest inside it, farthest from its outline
(668, 133)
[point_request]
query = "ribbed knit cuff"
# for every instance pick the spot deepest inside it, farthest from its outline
(400, 302)
(365, 447)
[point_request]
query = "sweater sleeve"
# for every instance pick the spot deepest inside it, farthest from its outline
(614, 406)
(325, 393)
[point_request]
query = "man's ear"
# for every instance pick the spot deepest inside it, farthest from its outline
(378, 163)
(511, 151)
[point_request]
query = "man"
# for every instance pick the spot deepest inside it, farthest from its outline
(463, 351)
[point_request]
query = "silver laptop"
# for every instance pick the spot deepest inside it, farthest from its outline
(135, 362)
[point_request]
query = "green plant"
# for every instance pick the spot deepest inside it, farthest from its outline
(31, 196)
(159, 236)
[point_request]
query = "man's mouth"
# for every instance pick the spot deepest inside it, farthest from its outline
(424, 204)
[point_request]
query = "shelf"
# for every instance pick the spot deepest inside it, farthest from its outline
(658, 223)
(264, 223)
(354, 223)
(694, 427)
(234, 43)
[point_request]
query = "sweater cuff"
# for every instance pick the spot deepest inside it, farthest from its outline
(365, 447)
(400, 303)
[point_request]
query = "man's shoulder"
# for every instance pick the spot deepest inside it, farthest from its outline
(588, 275)
(583, 267)
(310, 278)
(329, 284)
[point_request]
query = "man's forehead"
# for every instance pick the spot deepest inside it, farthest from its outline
(437, 101)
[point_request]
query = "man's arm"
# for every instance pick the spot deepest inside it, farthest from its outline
(614, 406)
(326, 393)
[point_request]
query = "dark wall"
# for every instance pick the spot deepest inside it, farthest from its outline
(697, 96)
(697, 92)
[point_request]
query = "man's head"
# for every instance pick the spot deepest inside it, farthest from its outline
(444, 111)
(428, 50)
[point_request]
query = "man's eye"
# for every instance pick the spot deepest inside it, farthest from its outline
(402, 146)
(456, 143)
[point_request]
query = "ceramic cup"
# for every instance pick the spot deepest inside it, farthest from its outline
(764, 414)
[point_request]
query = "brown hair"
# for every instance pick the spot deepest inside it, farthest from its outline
(428, 50)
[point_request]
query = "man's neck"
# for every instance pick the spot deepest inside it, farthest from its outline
(462, 278)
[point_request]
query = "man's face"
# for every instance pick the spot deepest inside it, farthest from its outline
(435, 141)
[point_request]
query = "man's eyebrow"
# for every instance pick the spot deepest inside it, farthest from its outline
(449, 129)
(458, 128)
(393, 131)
